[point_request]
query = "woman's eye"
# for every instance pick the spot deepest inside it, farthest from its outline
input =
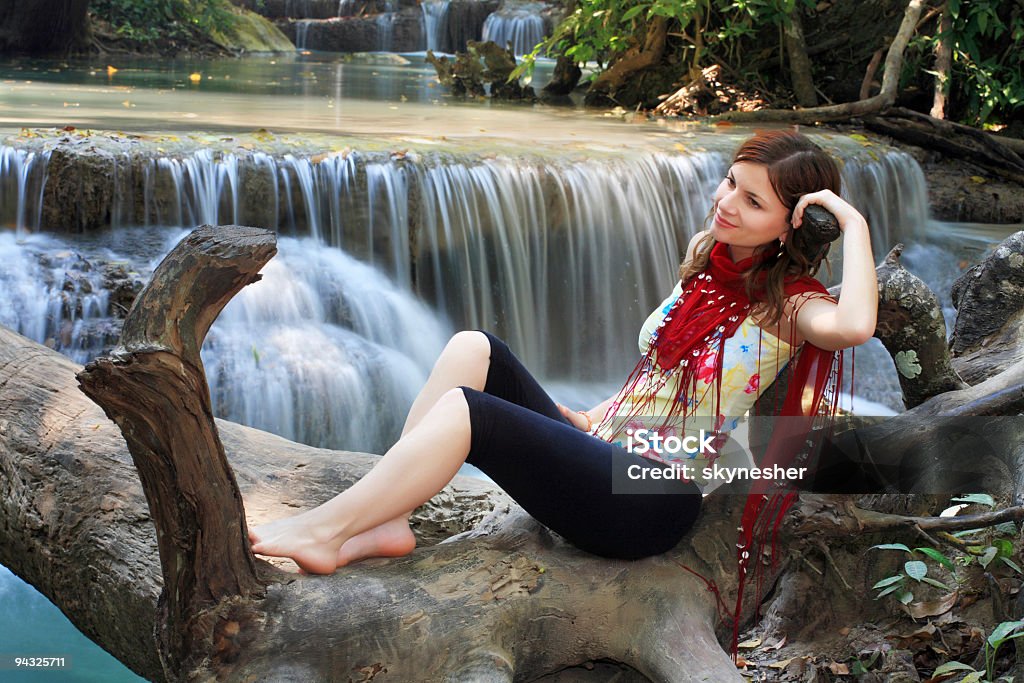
(753, 203)
(729, 179)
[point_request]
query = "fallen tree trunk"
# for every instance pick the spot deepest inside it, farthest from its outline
(500, 599)
(997, 155)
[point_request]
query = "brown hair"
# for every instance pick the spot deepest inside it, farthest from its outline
(796, 166)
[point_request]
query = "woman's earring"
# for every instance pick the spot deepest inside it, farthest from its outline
(782, 249)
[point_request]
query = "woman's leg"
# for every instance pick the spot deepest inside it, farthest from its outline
(464, 361)
(474, 359)
(594, 494)
(409, 474)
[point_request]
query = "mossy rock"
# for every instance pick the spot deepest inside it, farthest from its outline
(252, 33)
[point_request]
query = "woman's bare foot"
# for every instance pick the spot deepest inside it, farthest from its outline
(313, 548)
(391, 539)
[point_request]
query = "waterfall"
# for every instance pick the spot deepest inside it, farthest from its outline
(324, 350)
(23, 177)
(488, 242)
(563, 258)
(385, 31)
(435, 23)
(521, 28)
(302, 33)
(55, 297)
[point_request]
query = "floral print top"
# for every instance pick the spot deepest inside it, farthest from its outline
(753, 358)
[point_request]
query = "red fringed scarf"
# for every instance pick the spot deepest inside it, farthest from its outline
(688, 345)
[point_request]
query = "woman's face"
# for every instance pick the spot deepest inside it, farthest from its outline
(748, 213)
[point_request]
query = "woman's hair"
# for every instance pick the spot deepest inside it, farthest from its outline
(796, 166)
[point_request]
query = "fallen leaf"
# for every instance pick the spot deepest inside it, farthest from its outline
(749, 644)
(932, 608)
(921, 636)
(978, 179)
(196, 77)
(111, 70)
(839, 669)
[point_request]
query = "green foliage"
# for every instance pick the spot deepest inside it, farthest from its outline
(986, 39)
(151, 22)
(983, 546)
(705, 31)
(1002, 633)
(914, 569)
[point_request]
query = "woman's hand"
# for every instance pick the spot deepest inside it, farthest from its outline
(580, 420)
(836, 205)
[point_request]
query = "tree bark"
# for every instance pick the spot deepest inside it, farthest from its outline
(799, 63)
(913, 331)
(943, 63)
(633, 61)
(43, 26)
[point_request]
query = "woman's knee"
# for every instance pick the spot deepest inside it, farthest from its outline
(469, 349)
(469, 343)
(453, 402)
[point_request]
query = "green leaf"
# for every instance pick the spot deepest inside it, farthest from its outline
(916, 569)
(1002, 630)
(906, 597)
(1006, 528)
(967, 532)
(932, 582)
(890, 546)
(632, 12)
(951, 666)
(979, 498)
(1012, 564)
(973, 677)
(990, 554)
(889, 581)
(937, 556)
(1004, 546)
(890, 589)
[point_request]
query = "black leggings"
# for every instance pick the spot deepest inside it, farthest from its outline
(564, 477)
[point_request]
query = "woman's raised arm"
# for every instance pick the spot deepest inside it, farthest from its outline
(851, 322)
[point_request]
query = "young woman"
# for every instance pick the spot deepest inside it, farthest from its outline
(746, 302)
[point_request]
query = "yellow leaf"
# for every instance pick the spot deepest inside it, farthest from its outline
(196, 77)
(860, 138)
(749, 644)
(680, 147)
(111, 70)
(977, 179)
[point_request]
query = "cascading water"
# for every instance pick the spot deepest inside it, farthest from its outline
(22, 179)
(522, 28)
(563, 258)
(54, 296)
(324, 349)
(385, 30)
(302, 33)
(435, 23)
